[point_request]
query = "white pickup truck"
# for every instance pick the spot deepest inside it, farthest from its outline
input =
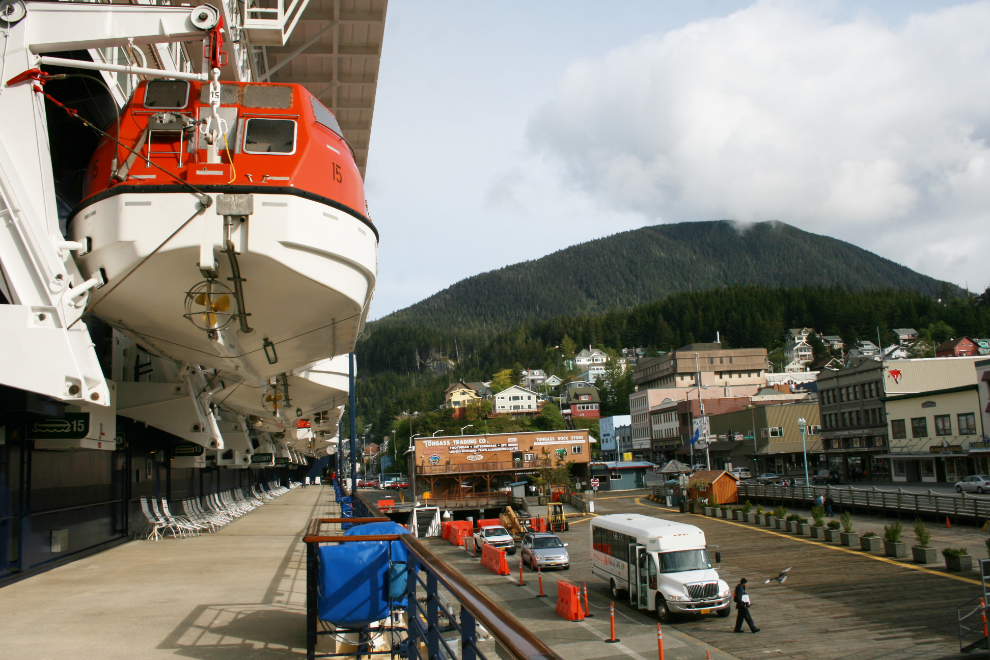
(496, 536)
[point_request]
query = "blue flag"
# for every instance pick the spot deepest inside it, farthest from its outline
(695, 436)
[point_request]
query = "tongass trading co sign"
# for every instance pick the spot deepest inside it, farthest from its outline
(502, 447)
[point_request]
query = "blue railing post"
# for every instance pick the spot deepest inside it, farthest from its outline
(469, 635)
(412, 608)
(432, 617)
(311, 597)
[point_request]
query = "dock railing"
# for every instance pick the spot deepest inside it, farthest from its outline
(960, 506)
(426, 574)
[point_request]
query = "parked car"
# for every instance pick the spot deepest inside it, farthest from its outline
(497, 536)
(825, 477)
(978, 483)
(741, 473)
(544, 550)
(768, 478)
(400, 484)
(388, 483)
(373, 483)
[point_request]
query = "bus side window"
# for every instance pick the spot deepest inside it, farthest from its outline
(653, 572)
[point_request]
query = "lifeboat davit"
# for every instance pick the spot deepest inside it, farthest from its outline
(246, 250)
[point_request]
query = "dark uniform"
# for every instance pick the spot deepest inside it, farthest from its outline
(742, 608)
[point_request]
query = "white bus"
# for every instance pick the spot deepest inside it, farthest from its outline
(664, 566)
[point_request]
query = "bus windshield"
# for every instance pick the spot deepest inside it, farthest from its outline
(684, 560)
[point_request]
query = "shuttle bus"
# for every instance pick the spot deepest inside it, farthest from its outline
(664, 566)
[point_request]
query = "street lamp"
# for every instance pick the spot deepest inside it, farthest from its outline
(437, 431)
(466, 427)
(804, 448)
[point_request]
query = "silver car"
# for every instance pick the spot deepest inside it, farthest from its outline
(978, 483)
(544, 550)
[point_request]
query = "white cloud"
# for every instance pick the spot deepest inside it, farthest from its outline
(852, 128)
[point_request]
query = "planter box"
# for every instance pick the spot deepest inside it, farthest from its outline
(870, 543)
(790, 525)
(897, 550)
(779, 523)
(723, 513)
(959, 562)
(736, 514)
(750, 517)
(924, 555)
(832, 535)
(714, 513)
(817, 532)
(693, 507)
(851, 539)
(708, 510)
(768, 520)
(802, 528)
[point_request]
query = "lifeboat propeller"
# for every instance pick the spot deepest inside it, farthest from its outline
(208, 306)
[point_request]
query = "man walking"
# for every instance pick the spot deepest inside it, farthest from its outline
(828, 505)
(742, 607)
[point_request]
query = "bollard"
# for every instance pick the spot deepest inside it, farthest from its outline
(521, 583)
(474, 552)
(660, 641)
(708, 656)
(540, 573)
(612, 639)
(587, 612)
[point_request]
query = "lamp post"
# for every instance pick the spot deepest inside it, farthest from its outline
(804, 448)
(466, 427)
(437, 431)
(412, 446)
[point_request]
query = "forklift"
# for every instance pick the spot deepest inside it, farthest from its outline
(556, 522)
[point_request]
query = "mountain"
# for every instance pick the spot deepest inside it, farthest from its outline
(643, 265)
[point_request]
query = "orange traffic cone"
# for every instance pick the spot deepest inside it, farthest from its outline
(948, 525)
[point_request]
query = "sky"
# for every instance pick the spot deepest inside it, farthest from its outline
(506, 131)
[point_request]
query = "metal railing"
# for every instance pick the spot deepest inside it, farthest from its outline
(873, 499)
(427, 574)
(480, 500)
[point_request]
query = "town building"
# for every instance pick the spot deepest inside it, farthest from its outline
(582, 402)
(621, 475)
(717, 367)
(979, 448)
(533, 379)
(933, 414)
(672, 424)
(767, 438)
(593, 374)
(623, 438)
(905, 335)
(798, 355)
(445, 463)
(608, 447)
(833, 343)
(516, 400)
(458, 396)
(483, 390)
(854, 426)
(961, 347)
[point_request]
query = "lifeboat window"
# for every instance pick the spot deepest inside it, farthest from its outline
(270, 136)
(228, 94)
(268, 96)
(166, 94)
(325, 118)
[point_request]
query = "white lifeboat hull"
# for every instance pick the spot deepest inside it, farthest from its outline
(309, 271)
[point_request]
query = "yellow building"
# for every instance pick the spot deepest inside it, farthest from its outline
(459, 395)
(931, 434)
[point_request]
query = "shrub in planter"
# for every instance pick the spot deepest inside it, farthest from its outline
(779, 517)
(750, 517)
(922, 553)
(832, 533)
(737, 514)
(802, 526)
(723, 511)
(869, 542)
(892, 546)
(747, 506)
(958, 559)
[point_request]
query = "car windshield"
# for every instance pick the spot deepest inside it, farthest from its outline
(684, 560)
(495, 531)
(544, 542)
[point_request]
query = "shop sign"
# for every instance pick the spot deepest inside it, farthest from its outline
(281, 462)
(627, 456)
(475, 457)
(948, 449)
(749, 436)
(262, 458)
(928, 404)
(738, 437)
(980, 445)
(188, 449)
(73, 426)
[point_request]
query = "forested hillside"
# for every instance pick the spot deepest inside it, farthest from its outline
(395, 376)
(640, 266)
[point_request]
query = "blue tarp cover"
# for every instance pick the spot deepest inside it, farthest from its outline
(353, 588)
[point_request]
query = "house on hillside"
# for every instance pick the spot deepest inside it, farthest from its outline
(863, 350)
(533, 379)
(482, 389)
(830, 363)
(961, 347)
(458, 396)
(593, 374)
(896, 352)
(833, 343)
(905, 335)
(516, 400)
(796, 335)
(582, 402)
(588, 357)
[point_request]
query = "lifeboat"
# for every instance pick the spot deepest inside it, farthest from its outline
(228, 224)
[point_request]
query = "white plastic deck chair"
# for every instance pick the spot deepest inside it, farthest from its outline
(155, 525)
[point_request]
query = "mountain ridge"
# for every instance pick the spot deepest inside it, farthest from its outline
(630, 268)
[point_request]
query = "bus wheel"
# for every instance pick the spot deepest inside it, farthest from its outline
(616, 592)
(662, 612)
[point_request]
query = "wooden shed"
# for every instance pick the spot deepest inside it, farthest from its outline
(722, 482)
